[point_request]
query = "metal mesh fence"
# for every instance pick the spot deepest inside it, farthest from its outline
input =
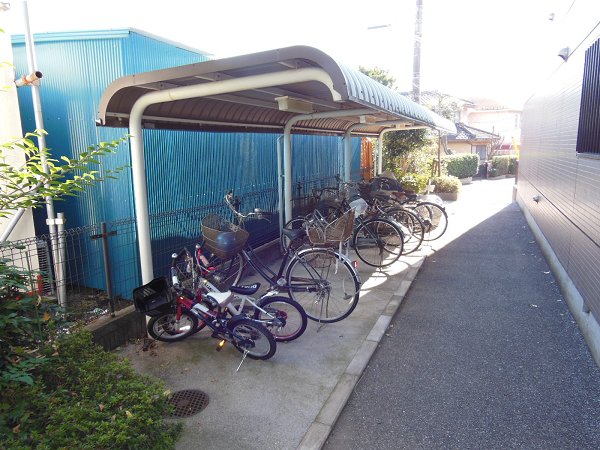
(99, 264)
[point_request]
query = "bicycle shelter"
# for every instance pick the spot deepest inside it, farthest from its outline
(290, 89)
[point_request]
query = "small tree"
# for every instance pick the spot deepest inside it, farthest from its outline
(399, 147)
(28, 185)
(27, 321)
(380, 75)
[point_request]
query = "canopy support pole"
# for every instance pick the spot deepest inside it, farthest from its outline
(138, 166)
(287, 149)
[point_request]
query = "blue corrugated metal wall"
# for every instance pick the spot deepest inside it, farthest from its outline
(183, 171)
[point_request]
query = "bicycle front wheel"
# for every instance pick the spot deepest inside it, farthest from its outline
(324, 283)
(282, 316)
(435, 219)
(378, 242)
(412, 228)
(250, 337)
(167, 328)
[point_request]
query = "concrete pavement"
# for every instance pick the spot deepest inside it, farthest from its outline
(294, 399)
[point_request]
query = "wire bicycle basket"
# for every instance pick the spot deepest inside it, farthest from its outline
(330, 234)
(154, 298)
(223, 238)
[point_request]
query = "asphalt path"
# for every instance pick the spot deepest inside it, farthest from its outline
(483, 352)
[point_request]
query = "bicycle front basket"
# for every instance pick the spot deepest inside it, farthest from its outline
(331, 234)
(153, 298)
(223, 238)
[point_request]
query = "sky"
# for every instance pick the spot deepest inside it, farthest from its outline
(471, 49)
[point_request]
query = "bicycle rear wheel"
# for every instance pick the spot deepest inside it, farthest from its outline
(324, 283)
(378, 242)
(283, 317)
(252, 337)
(435, 219)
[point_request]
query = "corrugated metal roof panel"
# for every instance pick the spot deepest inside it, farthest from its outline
(257, 109)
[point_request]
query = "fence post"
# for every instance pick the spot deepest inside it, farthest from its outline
(61, 253)
(104, 235)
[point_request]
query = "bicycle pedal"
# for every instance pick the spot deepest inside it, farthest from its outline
(220, 345)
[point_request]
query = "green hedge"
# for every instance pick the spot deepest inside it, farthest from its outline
(462, 165)
(413, 182)
(500, 165)
(447, 184)
(85, 397)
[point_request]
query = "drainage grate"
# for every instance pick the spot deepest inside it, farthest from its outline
(188, 402)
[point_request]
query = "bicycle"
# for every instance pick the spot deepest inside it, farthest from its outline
(376, 240)
(175, 315)
(282, 316)
(324, 282)
(429, 208)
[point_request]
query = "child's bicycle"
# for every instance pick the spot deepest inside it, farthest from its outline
(282, 316)
(175, 314)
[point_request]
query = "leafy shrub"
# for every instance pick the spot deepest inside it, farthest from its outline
(27, 325)
(462, 165)
(85, 397)
(500, 163)
(414, 181)
(447, 184)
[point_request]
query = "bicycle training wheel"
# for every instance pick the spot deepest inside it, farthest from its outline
(283, 317)
(167, 328)
(324, 283)
(252, 337)
(378, 242)
(435, 219)
(411, 226)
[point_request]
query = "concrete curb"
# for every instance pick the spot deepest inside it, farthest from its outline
(319, 430)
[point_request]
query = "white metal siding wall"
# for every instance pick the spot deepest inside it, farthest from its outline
(569, 185)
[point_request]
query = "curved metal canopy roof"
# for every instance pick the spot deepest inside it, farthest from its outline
(267, 109)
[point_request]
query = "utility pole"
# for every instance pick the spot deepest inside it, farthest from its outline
(416, 82)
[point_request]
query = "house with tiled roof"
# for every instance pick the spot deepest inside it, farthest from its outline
(472, 140)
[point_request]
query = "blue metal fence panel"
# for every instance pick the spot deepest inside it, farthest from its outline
(185, 169)
(142, 53)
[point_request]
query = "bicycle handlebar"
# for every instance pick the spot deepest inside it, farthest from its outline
(257, 214)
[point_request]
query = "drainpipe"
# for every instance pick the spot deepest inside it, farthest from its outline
(39, 124)
(287, 149)
(138, 166)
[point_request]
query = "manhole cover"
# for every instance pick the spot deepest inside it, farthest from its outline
(188, 402)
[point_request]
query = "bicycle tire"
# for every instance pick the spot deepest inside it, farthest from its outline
(411, 226)
(434, 218)
(324, 283)
(378, 242)
(227, 272)
(253, 337)
(166, 329)
(290, 315)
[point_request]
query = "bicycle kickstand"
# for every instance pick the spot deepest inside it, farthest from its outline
(242, 361)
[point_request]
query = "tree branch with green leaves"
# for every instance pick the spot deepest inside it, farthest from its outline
(27, 185)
